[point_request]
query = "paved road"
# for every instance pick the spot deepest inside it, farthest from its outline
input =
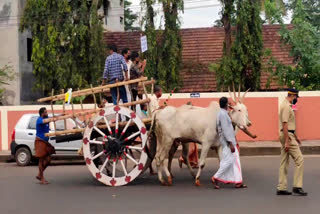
(73, 190)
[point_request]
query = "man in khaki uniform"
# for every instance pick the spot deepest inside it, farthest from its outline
(290, 147)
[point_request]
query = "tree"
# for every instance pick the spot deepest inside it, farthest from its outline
(248, 46)
(171, 44)
(6, 74)
(241, 61)
(164, 47)
(152, 54)
(312, 11)
(129, 17)
(223, 70)
(304, 40)
(272, 8)
(67, 43)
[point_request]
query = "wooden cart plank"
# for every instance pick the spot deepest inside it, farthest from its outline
(96, 90)
(74, 131)
(91, 111)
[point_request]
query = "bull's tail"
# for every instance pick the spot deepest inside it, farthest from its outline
(152, 139)
(152, 123)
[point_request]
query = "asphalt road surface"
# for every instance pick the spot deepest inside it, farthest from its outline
(74, 190)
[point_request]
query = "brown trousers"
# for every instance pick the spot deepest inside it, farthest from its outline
(295, 153)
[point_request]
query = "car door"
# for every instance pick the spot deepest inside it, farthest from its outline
(70, 142)
(75, 140)
(28, 135)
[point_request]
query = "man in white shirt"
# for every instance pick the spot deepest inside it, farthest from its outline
(155, 98)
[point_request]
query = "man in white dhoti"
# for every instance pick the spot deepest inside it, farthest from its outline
(230, 167)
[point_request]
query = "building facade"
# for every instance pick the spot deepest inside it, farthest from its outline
(113, 12)
(15, 51)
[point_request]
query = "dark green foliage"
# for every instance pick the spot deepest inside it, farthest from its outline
(241, 62)
(171, 45)
(304, 40)
(312, 11)
(6, 75)
(164, 47)
(152, 53)
(248, 45)
(68, 48)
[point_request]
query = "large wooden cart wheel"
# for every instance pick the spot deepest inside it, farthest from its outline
(122, 154)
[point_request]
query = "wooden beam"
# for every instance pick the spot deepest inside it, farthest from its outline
(87, 92)
(95, 89)
(74, 131)
(91, 111)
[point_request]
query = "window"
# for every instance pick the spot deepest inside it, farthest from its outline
(29, 49)
(33, 122)
(121, 2)
(60, 125)
(121, 19)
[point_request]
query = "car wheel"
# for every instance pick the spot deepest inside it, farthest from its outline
(23, 156)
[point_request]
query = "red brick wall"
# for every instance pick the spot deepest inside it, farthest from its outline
(204, 46)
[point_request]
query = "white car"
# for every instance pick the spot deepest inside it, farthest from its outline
(24, 134)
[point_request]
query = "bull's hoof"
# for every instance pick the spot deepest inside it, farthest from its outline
(169, 181)
(197, 183)
(163, 183)
(171, 175)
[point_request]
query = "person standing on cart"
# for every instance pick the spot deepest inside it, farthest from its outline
(43, 148)
(113, 72)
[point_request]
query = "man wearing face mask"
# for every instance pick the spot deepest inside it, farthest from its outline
(290, 147)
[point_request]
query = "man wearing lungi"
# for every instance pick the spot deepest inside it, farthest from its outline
(230, 167)
(43, 148)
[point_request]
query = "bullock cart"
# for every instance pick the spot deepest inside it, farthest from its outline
(116, 147)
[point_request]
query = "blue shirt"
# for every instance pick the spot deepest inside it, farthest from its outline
(42, 129)
(115, 64)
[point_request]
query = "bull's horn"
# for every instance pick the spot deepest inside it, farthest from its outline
(231, 95)
(234, 92)
(243, 96)
(239, 94)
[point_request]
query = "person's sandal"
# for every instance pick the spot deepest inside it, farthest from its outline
(214, 183)
(241, 186)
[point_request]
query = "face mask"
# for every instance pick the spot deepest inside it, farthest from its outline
(294, 101)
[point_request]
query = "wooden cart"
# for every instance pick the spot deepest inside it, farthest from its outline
(116, 146)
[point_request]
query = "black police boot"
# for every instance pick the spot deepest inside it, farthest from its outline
(299, 191)
(283, 192)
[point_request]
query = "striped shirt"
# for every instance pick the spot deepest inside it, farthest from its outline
(115, 63)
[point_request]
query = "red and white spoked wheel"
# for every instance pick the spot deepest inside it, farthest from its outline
(122, 155)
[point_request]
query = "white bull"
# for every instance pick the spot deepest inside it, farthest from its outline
(191, 124)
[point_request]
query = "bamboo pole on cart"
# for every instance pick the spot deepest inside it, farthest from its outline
(74, 131)
(96, 89)
(92, 111)
(54, 124)
(152, 87)
(100, 96)
(64, 109)
(83, 117)
(94, 97)
(84, 93)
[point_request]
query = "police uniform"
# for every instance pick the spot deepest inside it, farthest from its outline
(287, 116)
